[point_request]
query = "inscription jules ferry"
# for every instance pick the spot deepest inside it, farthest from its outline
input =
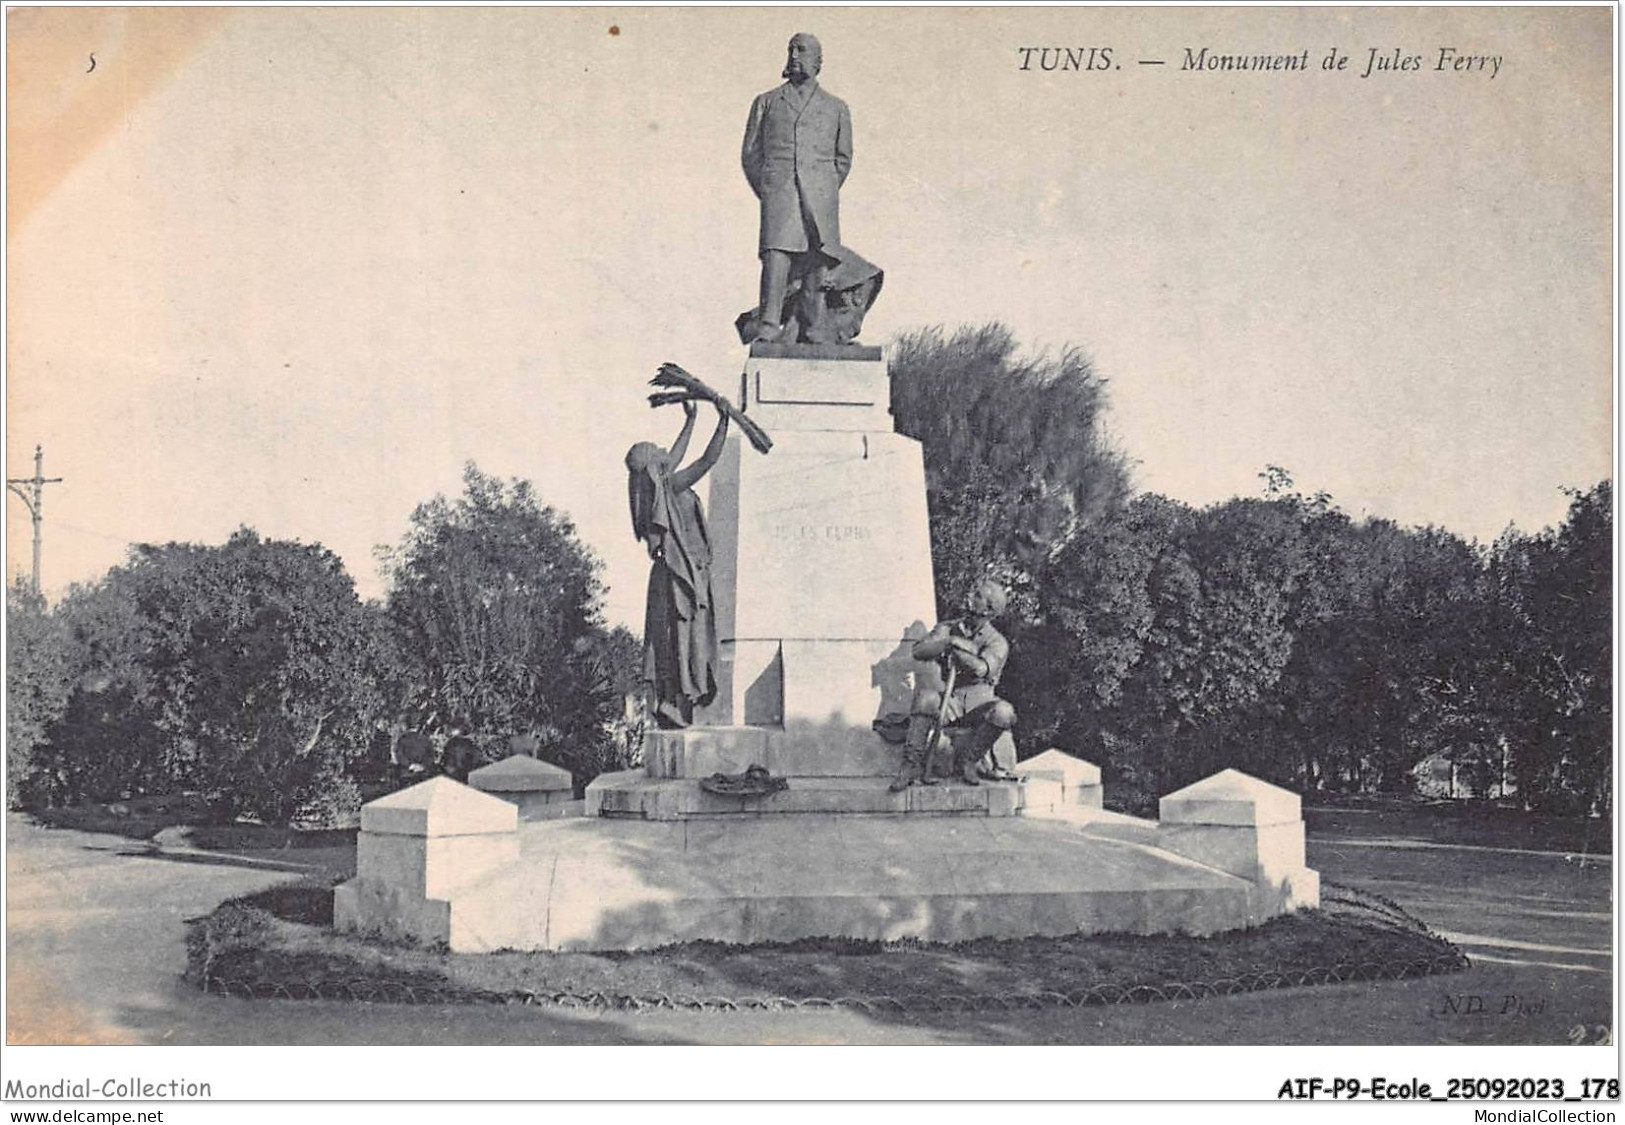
(1378, 60)
(831, 533)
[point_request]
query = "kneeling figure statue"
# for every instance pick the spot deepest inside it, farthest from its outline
(967, 718)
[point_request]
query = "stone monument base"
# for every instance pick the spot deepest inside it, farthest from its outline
(441, 863)
(631, 794)
(801, 750)
(628, 884)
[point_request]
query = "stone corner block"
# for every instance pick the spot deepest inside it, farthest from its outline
(1040, 795)
(1231, 797)
(603, 791)
(1057, 765)
(1246, 827)
(438, 807)
(421, 867)
(520, 773)
(362, 906)
(1262, 854)
(1295, 890)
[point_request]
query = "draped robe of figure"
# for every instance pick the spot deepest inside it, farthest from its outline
(680, 625)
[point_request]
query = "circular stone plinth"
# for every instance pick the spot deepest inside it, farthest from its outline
(604, 884)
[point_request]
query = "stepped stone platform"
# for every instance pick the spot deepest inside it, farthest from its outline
(830, 770)
(441, 863)
(595, 884)
(800, 751)
(631, 794)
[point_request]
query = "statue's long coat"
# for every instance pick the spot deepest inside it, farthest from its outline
(796, 160)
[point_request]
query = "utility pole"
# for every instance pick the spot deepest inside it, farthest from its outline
(34, 497)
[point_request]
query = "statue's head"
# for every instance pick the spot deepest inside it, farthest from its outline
(647, 457)
(986, 600)
(647, 468)
(805, 59)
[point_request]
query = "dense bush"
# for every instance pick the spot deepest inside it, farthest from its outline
(38, 680)
(1280, 637)
(495, 609)
(249, 672)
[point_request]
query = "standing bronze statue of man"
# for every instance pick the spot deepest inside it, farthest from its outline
(974, 720)
(796, 154)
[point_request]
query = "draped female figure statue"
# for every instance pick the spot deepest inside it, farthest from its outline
(679, 625)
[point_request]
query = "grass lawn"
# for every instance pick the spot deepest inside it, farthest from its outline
(139, 818)
(142, 818)
(1461, 823)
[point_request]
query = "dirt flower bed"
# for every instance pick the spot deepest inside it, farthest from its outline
(280, 944)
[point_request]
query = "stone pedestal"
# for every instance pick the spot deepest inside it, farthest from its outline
(1074, 781)
(632, 795)
(831, 750)
(703, 751)
(1245, 827)
(635, 884)
(660, 861)
(417, 850)
(529, 784)
(821, 568)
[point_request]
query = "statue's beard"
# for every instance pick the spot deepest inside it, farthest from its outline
(803, 71)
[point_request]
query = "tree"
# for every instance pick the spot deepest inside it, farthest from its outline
(1167, 625)
(1102, 606)
(1099, 610)
(247, 671)
(113, 738)
(1557, 591)
(1015, 455)
(1271, 635)
(495, 608)
(38, 682)
(1290, 732)
(267, 658)
(1389, 664)
(618, 663)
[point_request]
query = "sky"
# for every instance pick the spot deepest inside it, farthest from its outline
(294, 268)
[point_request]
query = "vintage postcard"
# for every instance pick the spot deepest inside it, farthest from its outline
(590, 526)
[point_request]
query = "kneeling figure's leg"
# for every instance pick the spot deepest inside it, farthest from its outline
(994, 748)
(916, 755)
